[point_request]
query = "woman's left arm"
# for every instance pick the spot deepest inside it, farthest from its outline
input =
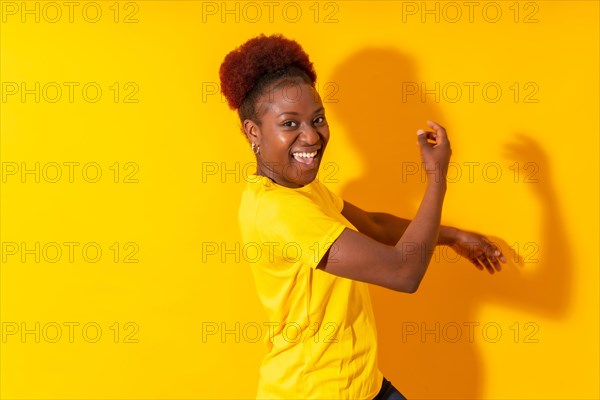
(388, 229)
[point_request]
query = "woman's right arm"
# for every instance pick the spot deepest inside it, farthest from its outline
(401, 267)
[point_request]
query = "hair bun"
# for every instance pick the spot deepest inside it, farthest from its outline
(259, 56)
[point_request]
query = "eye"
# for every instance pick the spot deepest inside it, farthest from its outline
(319, 120)
(289, 124)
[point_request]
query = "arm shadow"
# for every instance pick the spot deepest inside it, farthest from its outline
(380, 125)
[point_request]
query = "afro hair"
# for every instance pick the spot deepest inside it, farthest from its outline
(260, 61)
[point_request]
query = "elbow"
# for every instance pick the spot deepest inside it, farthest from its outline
(408, 274)
(412, 288)
(409, 286)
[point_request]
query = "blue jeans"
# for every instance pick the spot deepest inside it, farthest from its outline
(389, 392)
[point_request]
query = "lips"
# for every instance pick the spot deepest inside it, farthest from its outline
(306, 157)
(305, 160)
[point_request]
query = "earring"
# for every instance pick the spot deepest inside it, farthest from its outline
(255, 148)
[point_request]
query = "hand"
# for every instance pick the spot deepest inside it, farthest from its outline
(435, 151)
(479, 250)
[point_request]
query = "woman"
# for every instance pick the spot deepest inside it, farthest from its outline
(318, 253)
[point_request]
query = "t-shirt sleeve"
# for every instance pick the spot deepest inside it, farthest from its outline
(295, 228)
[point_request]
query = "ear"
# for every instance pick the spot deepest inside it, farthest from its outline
(252, 131)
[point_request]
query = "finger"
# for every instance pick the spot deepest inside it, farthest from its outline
(494, 252)
(498, 254)
(422, 138)
(440, 130)
(486, 263)
(435, 125)
(496, 263)
(481, 265)
(430, 135)
(501, 256)
(482, 257)
(491, 252)
(476, 263)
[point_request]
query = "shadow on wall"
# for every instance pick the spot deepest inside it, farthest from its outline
(382, 128)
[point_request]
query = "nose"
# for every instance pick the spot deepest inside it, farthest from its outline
(310, 135)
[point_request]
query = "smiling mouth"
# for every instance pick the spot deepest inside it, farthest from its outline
(306, 158)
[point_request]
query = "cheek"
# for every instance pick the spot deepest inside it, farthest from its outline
(282, 146)
(277, 146)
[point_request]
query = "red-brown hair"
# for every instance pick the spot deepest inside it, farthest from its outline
(256, 65)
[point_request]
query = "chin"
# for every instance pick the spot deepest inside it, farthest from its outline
(308, 177)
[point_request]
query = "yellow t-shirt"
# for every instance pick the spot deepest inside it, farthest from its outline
(321, 335)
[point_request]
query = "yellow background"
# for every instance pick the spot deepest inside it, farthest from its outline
(176, 203)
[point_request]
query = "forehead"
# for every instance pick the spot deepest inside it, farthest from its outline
(292, 96)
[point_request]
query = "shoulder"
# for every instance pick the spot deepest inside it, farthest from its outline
(282, 203)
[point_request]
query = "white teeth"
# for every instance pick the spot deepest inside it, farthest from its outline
(305, 155)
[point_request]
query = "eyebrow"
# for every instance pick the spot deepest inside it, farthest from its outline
(295, 113)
